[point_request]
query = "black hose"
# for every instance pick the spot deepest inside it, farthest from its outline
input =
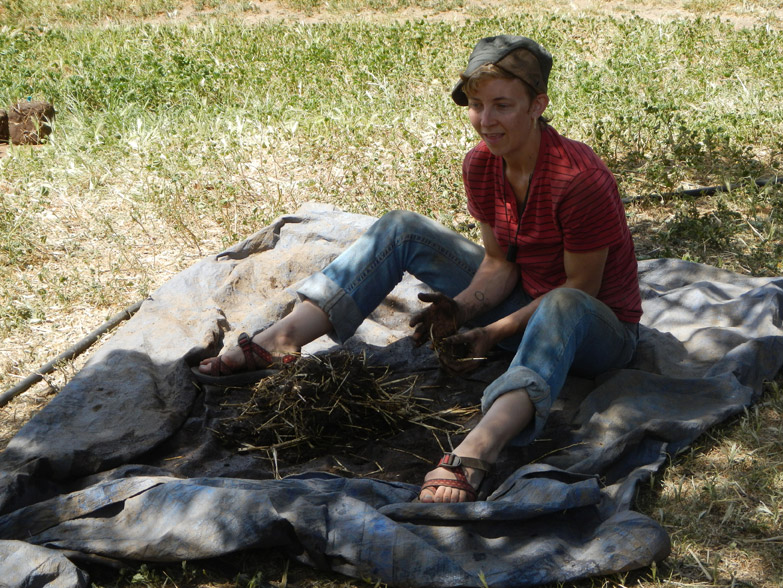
(70, 353)
(706, 191)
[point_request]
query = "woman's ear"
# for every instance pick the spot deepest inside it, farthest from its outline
(538, 106)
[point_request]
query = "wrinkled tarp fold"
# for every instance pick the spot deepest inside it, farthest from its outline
(122, 463)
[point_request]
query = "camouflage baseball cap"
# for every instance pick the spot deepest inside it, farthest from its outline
(532, 66)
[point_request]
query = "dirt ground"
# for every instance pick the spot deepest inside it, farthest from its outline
(748, 15)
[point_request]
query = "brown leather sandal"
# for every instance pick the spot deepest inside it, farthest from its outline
(455, 463)
(259, 363)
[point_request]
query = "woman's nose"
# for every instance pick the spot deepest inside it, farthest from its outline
(487, 117)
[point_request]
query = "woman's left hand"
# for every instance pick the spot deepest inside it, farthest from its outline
(465, 351)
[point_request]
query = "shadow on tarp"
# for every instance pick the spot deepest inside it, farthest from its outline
(526, 534)
(361, 527)
(114, 410)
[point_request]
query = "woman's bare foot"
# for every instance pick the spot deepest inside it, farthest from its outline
(504, 420)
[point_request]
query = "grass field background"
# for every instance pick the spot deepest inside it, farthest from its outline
(183, 127)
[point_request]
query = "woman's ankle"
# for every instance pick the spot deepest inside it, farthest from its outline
(275, 341)
(478, 446)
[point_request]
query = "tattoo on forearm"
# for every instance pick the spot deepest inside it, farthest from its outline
(479, 295)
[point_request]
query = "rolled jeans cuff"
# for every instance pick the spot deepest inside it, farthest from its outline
(342, 311)
(522, 378)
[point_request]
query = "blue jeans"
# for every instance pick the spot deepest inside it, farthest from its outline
(569, 331)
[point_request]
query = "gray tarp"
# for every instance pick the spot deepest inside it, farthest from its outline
(123, 464)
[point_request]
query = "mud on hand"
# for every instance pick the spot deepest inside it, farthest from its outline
(437, 321)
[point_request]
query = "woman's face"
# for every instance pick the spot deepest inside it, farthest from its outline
(503, 115)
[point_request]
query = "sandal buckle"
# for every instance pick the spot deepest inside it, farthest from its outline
(450, 460)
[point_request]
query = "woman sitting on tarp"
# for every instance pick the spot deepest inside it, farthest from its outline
(555, 281)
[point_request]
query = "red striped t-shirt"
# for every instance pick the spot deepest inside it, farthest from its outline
(573, 204)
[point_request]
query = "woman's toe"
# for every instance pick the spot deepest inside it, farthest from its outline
(206, 365)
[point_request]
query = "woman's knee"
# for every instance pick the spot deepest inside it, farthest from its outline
(400, 220)
(401, 226)
(565, 300)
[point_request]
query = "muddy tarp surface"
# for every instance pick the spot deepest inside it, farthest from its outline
(124, 462)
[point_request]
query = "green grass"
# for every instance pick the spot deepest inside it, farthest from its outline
(693, 103)
(178, 136)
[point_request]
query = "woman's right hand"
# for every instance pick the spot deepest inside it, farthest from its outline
(466, 351)
(440, 319)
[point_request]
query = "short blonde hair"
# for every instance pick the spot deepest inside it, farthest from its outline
(490, 71)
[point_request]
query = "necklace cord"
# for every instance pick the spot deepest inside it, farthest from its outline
(511, 253)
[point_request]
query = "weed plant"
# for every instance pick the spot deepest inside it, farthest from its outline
(175, 138)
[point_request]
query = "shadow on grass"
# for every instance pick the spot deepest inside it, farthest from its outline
(721, 501)
(738, 230)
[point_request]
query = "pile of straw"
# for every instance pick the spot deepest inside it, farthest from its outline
(325, 403)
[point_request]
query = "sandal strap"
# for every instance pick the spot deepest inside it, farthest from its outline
(251, 349)
(217, 367)
(460, 484)
(455, 462)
